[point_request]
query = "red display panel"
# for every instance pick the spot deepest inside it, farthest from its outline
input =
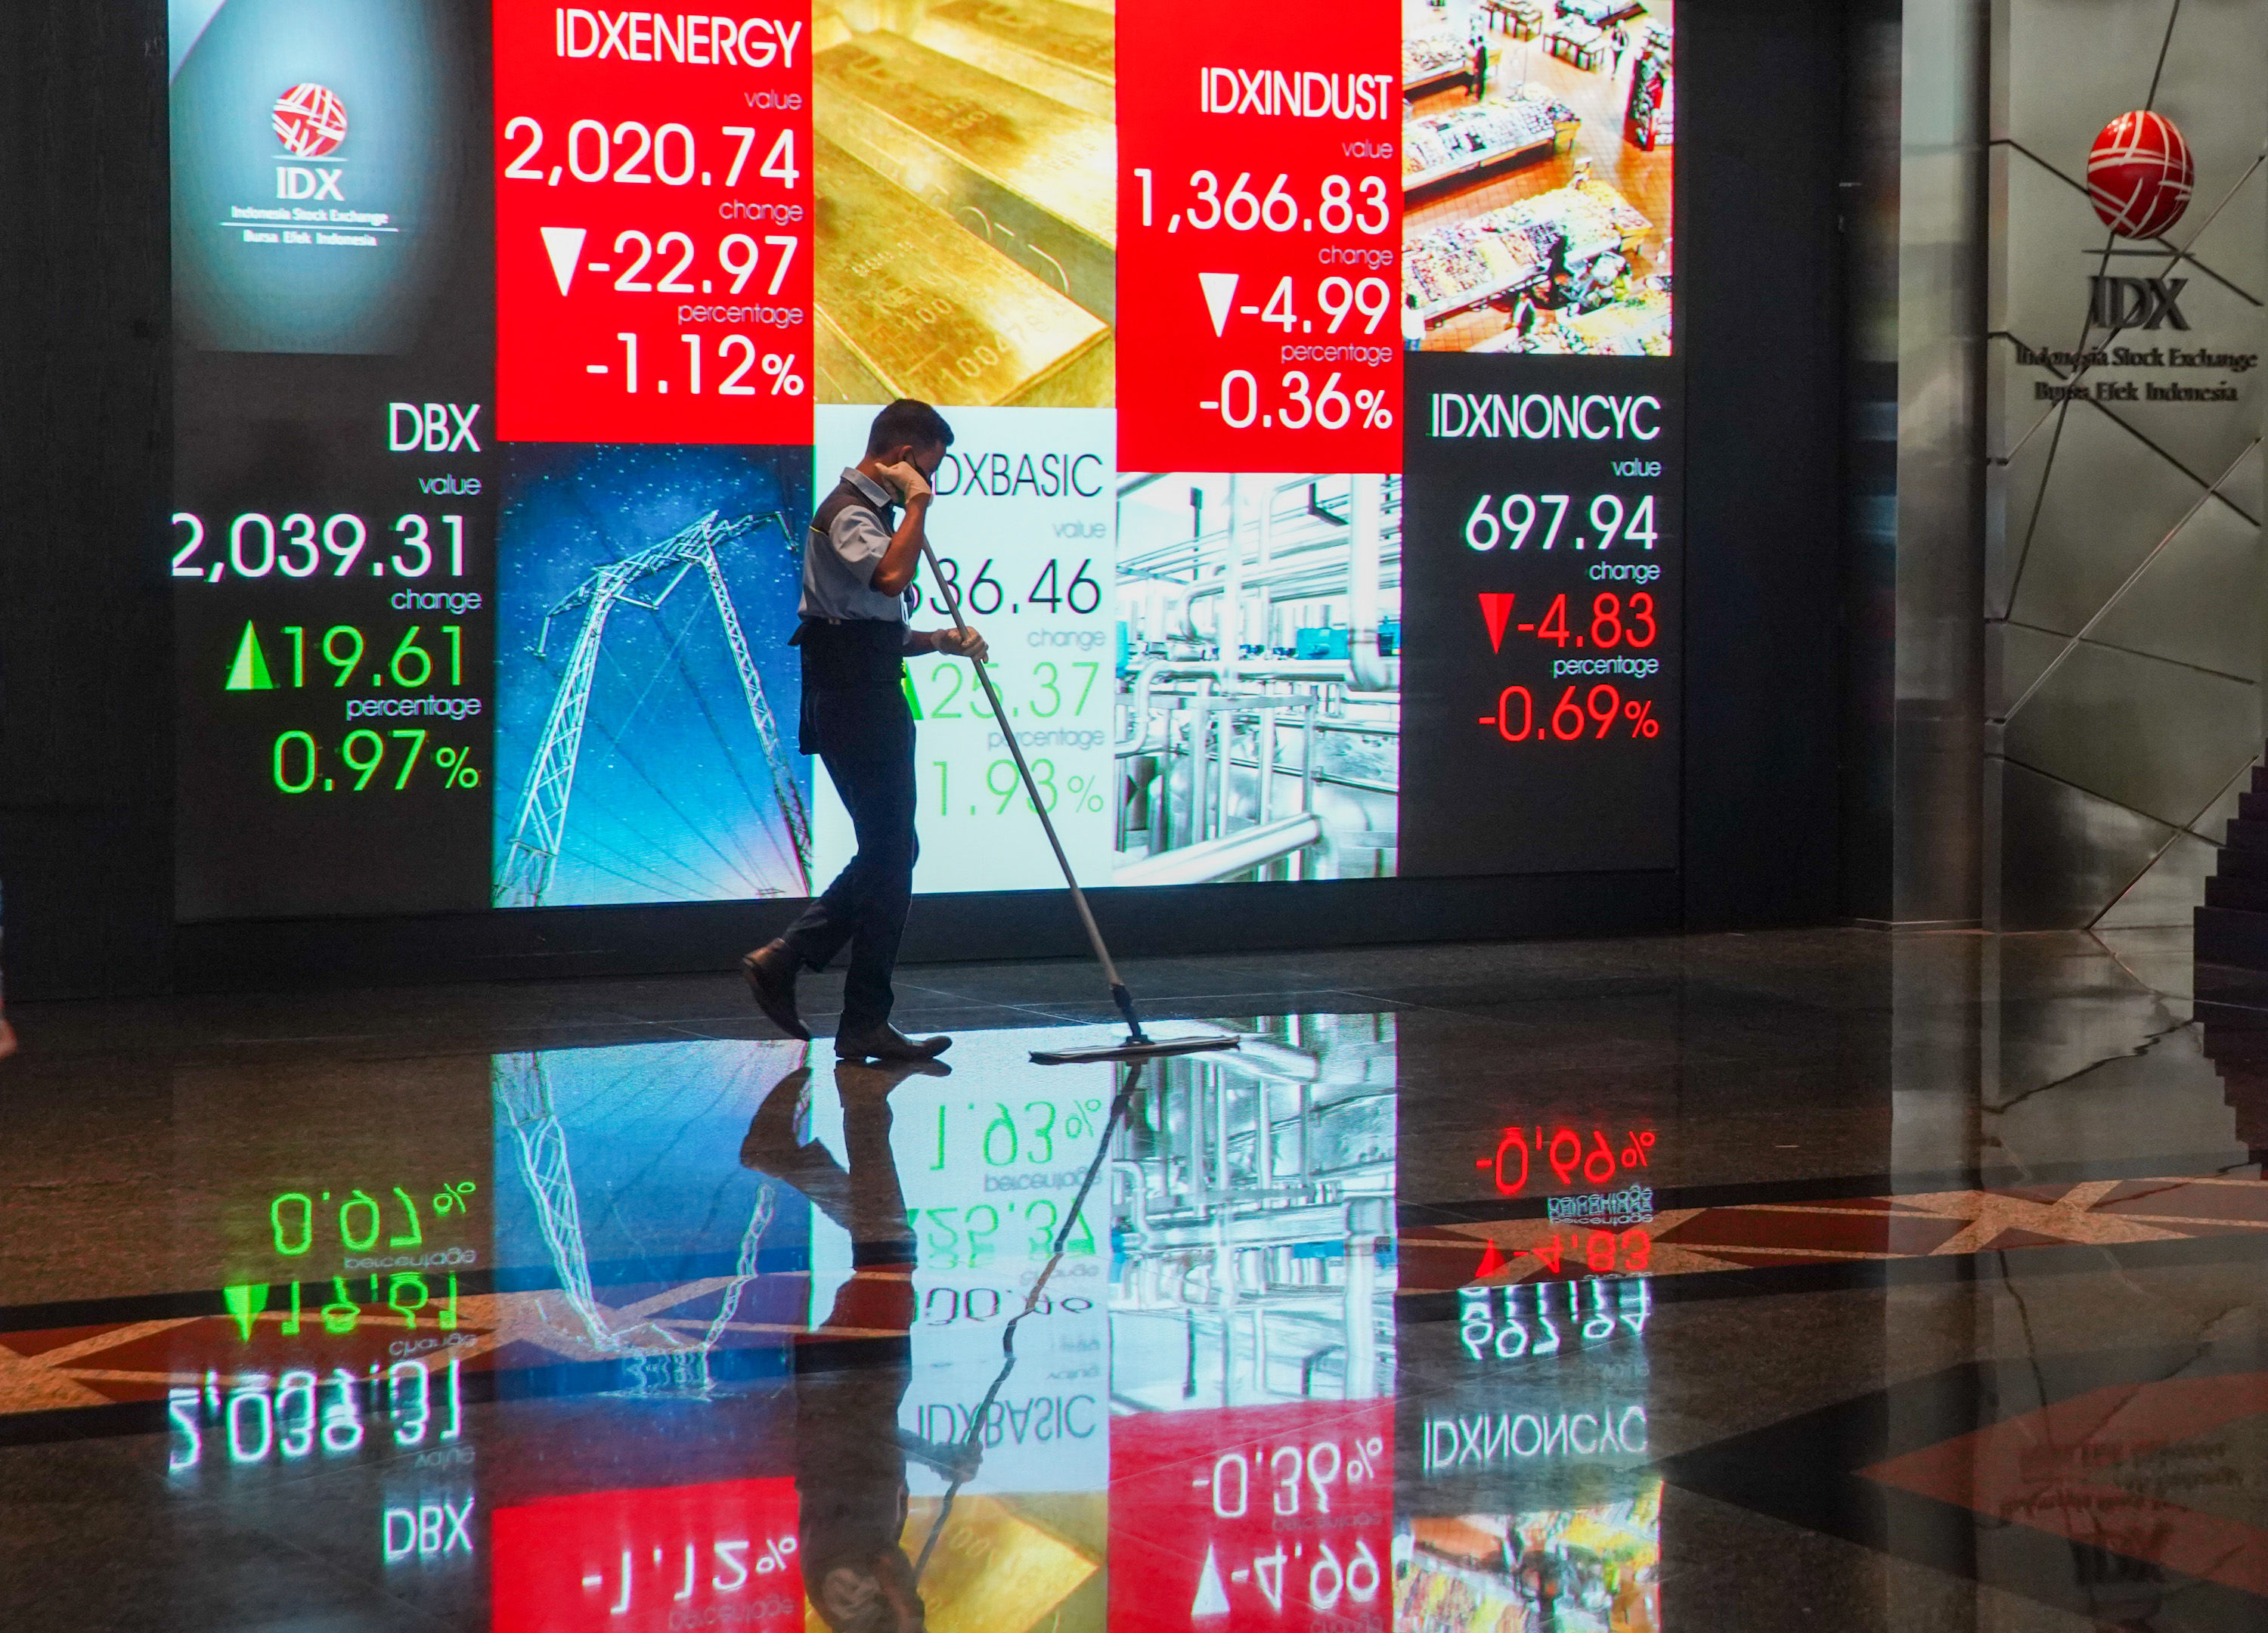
(1259, 234)
(642, 1562)
(1263, 1517)
(654, 224)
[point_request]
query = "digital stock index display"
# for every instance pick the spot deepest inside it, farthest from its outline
(1317, 480)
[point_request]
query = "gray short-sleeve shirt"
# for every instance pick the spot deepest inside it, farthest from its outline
(838, 569)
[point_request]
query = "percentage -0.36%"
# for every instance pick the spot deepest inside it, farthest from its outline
(1295, 1479)
(1239, 405)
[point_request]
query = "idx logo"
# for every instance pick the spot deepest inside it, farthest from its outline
(432, 427)
(301, 182)
(2136, 303)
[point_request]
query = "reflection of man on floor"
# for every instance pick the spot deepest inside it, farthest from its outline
(849, 1453)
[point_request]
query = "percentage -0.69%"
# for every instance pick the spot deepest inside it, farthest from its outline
(1602, 708)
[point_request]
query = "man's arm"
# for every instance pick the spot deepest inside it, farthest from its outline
(899, 564)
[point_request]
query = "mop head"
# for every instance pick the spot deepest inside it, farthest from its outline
(1148, 1048)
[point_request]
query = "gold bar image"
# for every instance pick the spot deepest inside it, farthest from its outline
(1066, 52)
(910, 306)
(1025, 174)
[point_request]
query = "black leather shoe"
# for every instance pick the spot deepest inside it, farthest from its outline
(887, 1042)
(771, 971)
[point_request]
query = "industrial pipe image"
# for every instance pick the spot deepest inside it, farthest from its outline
(1259, 710)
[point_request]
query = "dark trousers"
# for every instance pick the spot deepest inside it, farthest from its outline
(866, 739)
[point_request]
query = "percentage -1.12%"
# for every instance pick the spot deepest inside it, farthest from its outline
(732, 361)
(724, 1570)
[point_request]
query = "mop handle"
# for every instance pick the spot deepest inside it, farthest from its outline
(1031, 1301)
(1000, 718)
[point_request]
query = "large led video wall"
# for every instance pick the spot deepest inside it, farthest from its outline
(1317, 473)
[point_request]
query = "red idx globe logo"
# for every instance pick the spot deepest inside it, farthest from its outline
(2139, 173)
(311, 121)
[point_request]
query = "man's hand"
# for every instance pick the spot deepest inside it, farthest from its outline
(910, 482)
(954, 644)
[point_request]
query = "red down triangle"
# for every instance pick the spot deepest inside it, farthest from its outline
(1491, 1261)
(1496, 607)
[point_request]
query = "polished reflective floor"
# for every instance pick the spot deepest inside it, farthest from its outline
(1816, 1280)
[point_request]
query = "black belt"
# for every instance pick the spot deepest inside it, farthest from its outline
(850, 654)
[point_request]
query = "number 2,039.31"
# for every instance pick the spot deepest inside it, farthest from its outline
(298, 546)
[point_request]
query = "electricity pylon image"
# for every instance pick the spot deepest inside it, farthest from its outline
(641, 757)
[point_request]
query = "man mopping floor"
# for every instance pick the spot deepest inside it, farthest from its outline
(859, 566)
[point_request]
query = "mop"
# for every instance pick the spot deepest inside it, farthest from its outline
(1138, 1045)
(983, 1412)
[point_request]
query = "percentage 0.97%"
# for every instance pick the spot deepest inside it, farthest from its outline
(297, 762)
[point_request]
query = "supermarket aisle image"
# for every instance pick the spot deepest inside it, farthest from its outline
(1537, 166)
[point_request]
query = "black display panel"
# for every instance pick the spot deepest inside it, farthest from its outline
(332, 541)
(1543, 568)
